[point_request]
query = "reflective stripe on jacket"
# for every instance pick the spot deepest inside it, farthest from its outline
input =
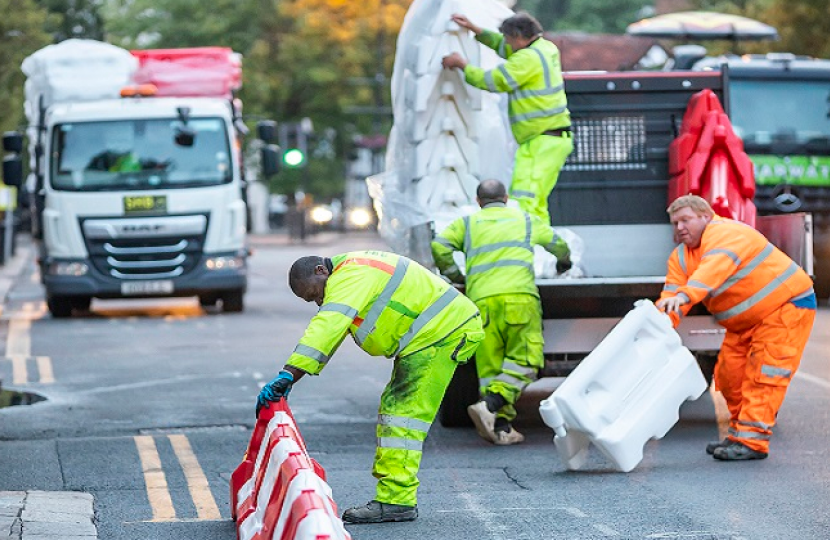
(737, 274)
(532, 79)
(391, 305)
(497, 242)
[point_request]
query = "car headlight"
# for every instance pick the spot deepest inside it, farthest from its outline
(321, 215)
(360, 217)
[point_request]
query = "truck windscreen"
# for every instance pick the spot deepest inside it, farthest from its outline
(765, 112)
(139, 154)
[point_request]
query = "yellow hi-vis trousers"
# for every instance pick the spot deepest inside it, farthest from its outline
(408, 406)
(536, 170)
(512, 354)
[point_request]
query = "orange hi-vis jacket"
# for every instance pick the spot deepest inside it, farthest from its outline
(737, 273)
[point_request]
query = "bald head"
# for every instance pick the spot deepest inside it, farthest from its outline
(307, 278)
(490, 191)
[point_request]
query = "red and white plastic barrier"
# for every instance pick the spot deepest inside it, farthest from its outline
(279, 492)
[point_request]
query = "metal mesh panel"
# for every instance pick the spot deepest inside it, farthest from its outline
(609, 143)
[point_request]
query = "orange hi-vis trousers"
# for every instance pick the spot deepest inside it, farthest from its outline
(755, 368)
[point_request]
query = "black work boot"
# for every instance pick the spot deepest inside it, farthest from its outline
(711, 446)
(378, 512)
(737, 452)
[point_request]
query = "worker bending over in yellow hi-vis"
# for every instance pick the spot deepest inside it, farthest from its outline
(497, 242)
(396, 308)
(537, 106)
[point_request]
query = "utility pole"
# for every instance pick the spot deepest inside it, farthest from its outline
(379, 110)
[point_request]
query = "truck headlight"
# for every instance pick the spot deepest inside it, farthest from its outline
(67, 268)
(321, 215)
(225, 262)
(360, 217)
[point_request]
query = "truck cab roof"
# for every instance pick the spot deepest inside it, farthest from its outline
(759, 65)
(116, 109)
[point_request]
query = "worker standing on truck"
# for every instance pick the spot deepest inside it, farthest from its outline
(396, 308)
(763, 299)
(537, 105)
(497, 242)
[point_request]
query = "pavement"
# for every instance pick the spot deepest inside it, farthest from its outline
(40, 515)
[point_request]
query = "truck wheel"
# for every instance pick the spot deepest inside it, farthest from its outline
(81, 303)
(462, 392)
(232, 302)
(706, 361)
(59, 306)
(207, 300)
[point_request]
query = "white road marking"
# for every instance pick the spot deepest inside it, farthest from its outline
(495, 529)
(813, 379)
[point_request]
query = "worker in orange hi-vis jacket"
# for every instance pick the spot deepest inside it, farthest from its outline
(764, 300)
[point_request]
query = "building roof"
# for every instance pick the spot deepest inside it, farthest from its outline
(603, 52)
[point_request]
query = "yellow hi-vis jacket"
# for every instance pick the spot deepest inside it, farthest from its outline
(391, 306)
(497, 242)
(532, 79)
(737, 273)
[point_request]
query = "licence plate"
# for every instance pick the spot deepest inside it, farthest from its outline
(158, 286)
(145, 204)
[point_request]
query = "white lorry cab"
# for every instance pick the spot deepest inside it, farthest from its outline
(139, 196)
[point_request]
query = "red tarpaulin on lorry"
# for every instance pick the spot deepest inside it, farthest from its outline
(199, 71)
(708, 159)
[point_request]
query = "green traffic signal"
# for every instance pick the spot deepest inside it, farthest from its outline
(293, 157)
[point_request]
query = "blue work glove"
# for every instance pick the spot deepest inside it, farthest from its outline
(275, 390)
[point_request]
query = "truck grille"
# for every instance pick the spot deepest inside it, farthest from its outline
(145, 248)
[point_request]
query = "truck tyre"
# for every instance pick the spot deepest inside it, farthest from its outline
(81, 303)
(462, 392)
(59, 306)
(207, 300)
(706, 361)
(232, 302)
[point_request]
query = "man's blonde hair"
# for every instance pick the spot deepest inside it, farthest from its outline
(699, 205)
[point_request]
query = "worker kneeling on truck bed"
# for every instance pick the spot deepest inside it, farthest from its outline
(763, 299)
(396, 308)
(497, 242)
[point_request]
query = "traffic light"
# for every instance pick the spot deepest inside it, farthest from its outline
(294, 145)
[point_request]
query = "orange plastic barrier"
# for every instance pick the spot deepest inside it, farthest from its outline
(279, 492)
(708, 159)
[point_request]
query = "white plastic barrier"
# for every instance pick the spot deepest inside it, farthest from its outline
(446, 135)
(626, 392)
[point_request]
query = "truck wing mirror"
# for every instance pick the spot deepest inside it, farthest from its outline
(266, 130)
(12, 142)
(270, 160)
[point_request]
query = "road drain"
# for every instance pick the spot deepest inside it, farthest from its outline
(10, 398)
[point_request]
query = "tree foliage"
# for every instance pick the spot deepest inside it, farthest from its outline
(22, 31)
(598, 16)
(74, 19)
(146, 24)
(316, 58)
(803, 25)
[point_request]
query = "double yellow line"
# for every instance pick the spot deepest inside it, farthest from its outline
(19, 347)
(158, 492)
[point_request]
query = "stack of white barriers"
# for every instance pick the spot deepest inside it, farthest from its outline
(279, 492)
(626, 392)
